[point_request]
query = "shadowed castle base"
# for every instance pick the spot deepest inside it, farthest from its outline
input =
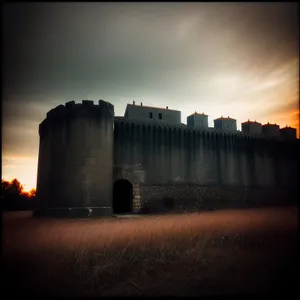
(74, 212)
(185, 198)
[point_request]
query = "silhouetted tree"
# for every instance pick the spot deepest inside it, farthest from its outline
(32, 193)
(13, 196)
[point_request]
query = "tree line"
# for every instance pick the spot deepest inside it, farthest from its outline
(13, 196)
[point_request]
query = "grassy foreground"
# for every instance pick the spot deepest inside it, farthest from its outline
(225, 252)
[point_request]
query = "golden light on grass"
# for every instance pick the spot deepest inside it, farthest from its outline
(150, 255)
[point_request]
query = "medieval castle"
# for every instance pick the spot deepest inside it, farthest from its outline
(95, 162)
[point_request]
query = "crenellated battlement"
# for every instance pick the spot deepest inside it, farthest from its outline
(105, 110)
(162, 116)
(87, 108)
(61, 110)
(130, 125)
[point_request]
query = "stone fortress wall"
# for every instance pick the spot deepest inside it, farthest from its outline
(84, 150)
(194, 165)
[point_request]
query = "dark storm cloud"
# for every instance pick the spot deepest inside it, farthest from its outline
(56, 47)
(189, 56)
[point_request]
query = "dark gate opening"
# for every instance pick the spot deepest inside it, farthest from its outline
(122, 197)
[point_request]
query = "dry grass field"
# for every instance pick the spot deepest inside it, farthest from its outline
(227, 252)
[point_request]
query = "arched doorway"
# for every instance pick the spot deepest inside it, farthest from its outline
(122, 197)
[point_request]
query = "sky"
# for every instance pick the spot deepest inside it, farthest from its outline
(231, 59)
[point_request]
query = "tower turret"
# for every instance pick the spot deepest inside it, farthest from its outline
(75, 165)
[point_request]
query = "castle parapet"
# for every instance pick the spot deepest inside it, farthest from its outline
(252, 127)
(271, 130)
(87, 109)
(225, 124)
(197, 120)
(288, 133)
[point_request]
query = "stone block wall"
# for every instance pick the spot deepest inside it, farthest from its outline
(136, 202)
(197, 198)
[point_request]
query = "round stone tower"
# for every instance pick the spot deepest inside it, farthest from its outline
(75, 164)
